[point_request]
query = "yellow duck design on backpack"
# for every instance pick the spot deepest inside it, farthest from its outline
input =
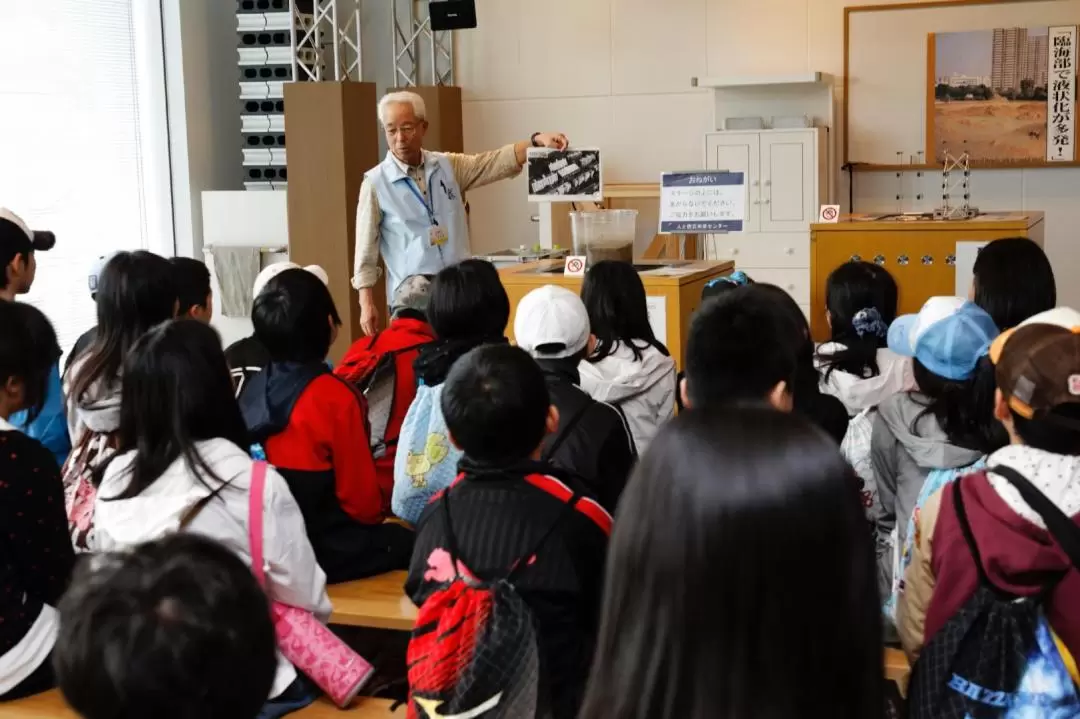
(418, 465)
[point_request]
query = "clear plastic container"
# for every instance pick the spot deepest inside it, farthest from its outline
(604, 234)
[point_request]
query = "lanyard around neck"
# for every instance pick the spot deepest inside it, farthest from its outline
(428, 207)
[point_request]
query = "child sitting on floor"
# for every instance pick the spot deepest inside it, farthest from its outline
(506, 517)
(467, 307)
(312, 426)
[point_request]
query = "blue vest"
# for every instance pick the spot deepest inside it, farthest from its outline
(405, 231)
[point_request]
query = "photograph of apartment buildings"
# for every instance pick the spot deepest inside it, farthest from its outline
(989, 94)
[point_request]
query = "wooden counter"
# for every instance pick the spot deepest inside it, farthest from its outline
(889, 242)
(678, 283)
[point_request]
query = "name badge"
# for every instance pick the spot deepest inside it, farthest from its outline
(439, 236)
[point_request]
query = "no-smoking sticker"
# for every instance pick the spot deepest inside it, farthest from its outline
(829, 213)
(575, 266)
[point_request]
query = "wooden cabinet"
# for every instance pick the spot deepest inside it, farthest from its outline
(920, 254)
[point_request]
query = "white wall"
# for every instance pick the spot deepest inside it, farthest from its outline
(616, 73)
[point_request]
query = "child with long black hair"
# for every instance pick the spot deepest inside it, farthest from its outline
(467, 307)
(136, 291)
(182, 465)
(629, 367)
(739, 532)
(858, 368)
(36, 557)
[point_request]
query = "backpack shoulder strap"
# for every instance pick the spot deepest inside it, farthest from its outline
(1060, 526)
(566, 430)
(522, 561)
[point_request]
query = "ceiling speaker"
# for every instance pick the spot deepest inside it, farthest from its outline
(452, 14)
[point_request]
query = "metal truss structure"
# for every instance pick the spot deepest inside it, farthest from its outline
(951, 186)
(422, 56)
(326, 40)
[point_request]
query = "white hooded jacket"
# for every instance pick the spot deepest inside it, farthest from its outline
(292, 573)
(861, 393)
(643, 389)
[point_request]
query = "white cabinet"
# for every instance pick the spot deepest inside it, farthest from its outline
(785, 173)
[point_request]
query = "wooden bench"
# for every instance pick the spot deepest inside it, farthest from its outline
(377, 602)
(51, 706)
(897, 669)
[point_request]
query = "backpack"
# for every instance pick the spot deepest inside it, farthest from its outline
(901, 555)
(426, 461)
(997, 656)
(474, 649)
(379, 387)
(92, 451)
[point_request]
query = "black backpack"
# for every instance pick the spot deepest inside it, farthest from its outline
(473, 651)
(997, 656)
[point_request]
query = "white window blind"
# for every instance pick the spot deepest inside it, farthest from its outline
(84, 140)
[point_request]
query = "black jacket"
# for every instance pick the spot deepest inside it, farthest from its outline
(36, 557)
(593, 441)
(497, 515)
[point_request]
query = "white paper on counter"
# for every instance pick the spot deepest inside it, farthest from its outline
(966, 252)
(657, 307)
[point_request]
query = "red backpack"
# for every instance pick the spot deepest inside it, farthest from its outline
(473, 652)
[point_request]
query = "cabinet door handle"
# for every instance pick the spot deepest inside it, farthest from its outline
(768, 183)
(755, 183)
(789, 251)
(733, 251)
(757, 202)
(791, 288)
(767, 200)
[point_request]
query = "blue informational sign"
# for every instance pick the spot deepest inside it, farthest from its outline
(702, 202)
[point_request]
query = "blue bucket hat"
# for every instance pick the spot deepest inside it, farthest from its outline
(948, 336)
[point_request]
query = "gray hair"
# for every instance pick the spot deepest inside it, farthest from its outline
(408, 98)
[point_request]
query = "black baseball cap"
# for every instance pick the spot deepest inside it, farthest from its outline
(17, 238)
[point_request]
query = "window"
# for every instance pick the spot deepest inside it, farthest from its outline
(84, 140)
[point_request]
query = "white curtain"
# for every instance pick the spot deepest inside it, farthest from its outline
(84, 140)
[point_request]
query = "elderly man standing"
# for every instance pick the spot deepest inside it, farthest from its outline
(411, 209)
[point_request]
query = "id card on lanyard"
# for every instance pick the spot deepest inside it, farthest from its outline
(437, 235)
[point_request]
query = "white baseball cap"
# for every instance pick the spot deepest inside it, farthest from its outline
(272, 271)
(551, 317)
(96, 269)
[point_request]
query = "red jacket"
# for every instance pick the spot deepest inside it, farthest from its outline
(404, 336)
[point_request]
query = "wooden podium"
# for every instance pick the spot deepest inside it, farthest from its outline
(920, 254)
(673, 285)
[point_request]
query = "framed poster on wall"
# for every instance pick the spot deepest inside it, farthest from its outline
(1004, 96)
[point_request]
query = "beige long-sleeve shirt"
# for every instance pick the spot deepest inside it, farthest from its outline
(470, 172)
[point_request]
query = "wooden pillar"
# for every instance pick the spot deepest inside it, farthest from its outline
(333, 136)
